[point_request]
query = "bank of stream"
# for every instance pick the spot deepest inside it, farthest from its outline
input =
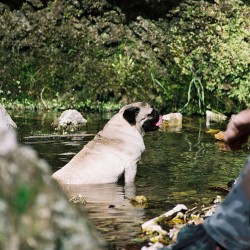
(177, 167)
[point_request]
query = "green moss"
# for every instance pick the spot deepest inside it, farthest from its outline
(23, 197)
(196, 58)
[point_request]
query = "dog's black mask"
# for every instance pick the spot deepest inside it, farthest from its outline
(149, 125)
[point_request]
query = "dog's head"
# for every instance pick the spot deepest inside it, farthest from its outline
(142, 115)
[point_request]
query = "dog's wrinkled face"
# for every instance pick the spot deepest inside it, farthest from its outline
(142, 115)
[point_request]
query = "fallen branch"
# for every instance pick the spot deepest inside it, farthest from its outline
(152, 225)
(56, 136)
(165, 228)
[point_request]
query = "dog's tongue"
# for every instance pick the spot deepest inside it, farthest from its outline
(160, 121)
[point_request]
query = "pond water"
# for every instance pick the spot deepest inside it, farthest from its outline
(176, 167)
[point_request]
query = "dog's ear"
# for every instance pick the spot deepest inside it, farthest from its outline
(130, 114)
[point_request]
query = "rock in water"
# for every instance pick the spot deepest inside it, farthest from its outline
(70, 119)
(214, 117)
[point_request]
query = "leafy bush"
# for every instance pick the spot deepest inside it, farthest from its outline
(210, 50)
(196, 58)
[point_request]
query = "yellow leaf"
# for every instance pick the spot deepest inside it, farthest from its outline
(220, 136)
(213, 131)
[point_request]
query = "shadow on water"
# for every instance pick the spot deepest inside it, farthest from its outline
(177, 167)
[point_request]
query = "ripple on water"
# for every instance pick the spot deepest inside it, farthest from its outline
(175, 168)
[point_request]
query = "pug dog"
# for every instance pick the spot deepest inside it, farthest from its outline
(115, 150)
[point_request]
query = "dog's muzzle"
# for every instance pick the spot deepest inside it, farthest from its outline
(154, 122)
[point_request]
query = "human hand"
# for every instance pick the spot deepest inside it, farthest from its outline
(238, 130)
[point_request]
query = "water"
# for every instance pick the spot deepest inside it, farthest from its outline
(177, 167)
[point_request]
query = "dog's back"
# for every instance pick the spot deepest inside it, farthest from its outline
(104, 159)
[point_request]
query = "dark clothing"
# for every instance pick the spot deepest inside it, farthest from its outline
(229, 226)
(192, 237)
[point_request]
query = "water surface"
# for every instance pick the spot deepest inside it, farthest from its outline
(177, 167)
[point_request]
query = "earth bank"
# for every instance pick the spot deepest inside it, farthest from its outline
(185, 55)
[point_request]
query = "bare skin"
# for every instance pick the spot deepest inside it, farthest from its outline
(238, 130)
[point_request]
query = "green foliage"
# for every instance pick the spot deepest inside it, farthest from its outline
(123, 66)
(212, 40)
(101, 79)
(22, 198)
(196, 84)
(197, 58)
(170, 93)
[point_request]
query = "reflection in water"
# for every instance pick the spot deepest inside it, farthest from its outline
(110, 209)
(176, 167)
